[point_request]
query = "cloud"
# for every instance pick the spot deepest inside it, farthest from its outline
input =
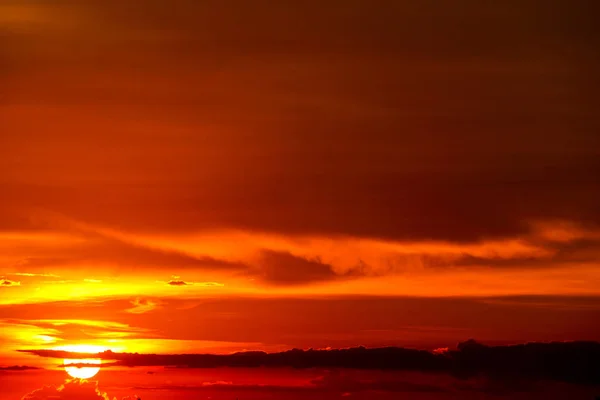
(176, 281)
(584, 250)
(313, 321)
(18, 368)
(107, 251)
(217, 383)
(357, 157)
(572, 362)
(72, 389)
(8, 283)
(141, 306)
(286, 269)
(288, 261)
(329, 384)
(77, 243)
(54, 330)
(207, 284)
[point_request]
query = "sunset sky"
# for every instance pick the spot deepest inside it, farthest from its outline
(219, 176)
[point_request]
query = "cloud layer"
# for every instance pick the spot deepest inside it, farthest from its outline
(572, 362)
(72, 389)
(278, 155)
(334, 124)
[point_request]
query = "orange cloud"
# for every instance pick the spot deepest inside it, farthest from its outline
(141, 306)
(352, 155)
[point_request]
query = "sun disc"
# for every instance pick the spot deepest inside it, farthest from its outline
(81, 372)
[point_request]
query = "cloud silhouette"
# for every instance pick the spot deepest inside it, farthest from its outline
(349, 163)
(286, 269)
(282, 268)
(72, 389)
(177, 281)
(18, 368)
(94, 248)
(572, 362)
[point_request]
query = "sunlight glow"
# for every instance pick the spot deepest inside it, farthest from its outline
(80, 371)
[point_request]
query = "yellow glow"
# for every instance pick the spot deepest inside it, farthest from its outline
(46, 338)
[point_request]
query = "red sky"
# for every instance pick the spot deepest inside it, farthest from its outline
(214, 176)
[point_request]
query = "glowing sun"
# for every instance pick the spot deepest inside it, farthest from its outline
(82, 368)
(79, 368)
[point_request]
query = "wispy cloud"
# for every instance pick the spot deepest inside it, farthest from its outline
(177, 281)
(50, 331)
(141, 306)
(30, 274)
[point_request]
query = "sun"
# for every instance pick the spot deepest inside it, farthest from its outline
(78, 370)
(82, 368)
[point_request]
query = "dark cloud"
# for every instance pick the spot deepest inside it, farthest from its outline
(574, 362)
(18, 368)
(8, 283)
(177, 283)
(405, 121)
(571, 362)
(122, 255)
(282, 268)
(384, 358)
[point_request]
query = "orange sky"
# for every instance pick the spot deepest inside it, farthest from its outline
(215, 178)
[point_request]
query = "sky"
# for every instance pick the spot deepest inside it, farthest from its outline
(223, 176)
